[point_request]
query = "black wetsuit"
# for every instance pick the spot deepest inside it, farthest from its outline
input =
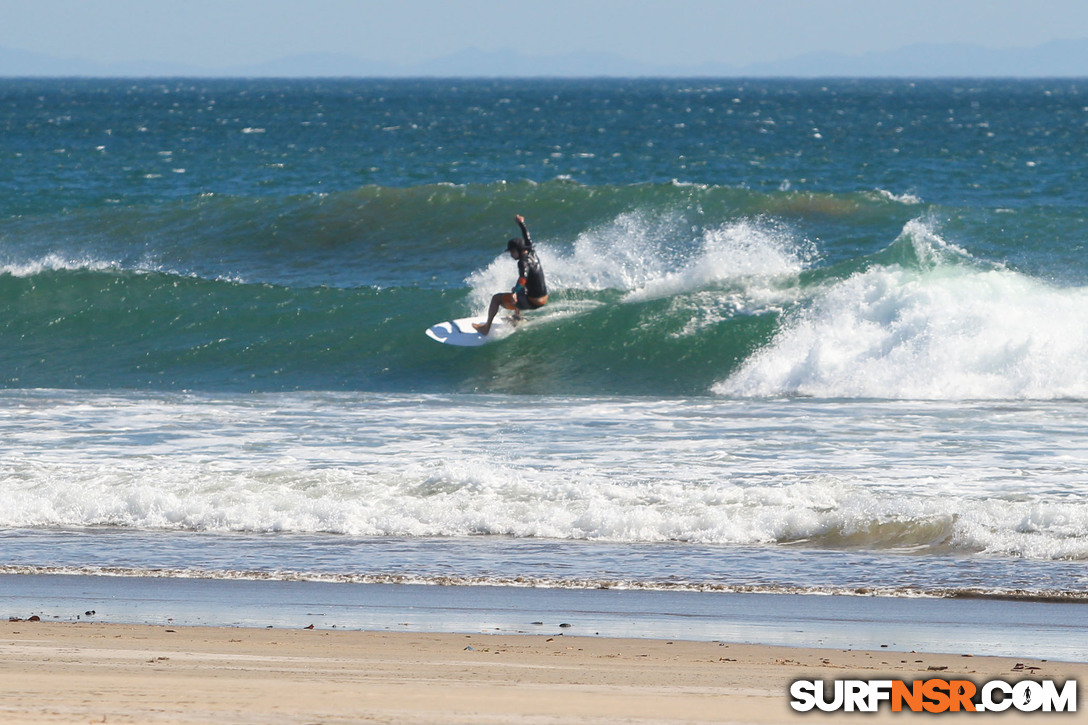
(531, 283)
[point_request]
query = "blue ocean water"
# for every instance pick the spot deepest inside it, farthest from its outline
(803, 336)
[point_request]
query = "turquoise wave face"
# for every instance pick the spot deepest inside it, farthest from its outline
(109, 329)
(645, 304)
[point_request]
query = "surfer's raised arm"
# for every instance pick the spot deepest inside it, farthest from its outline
(524, 230)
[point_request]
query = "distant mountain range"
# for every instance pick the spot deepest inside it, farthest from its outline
(1065, 58)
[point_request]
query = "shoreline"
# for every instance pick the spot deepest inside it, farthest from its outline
(1040, 630)
(54, 672)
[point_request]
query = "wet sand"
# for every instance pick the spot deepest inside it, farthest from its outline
(984, 627)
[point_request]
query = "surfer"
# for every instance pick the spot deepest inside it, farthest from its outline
(530, 292)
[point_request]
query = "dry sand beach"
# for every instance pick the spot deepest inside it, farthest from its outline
(116, 673)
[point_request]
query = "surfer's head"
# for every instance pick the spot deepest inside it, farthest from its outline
(515, 247)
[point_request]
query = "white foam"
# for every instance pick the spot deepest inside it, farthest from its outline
(481, 496)
(945, 331)
(54, 262)
(909, 199)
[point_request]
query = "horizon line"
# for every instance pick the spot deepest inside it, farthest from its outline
(545, 76)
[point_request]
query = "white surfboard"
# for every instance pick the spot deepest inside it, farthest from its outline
(462, 334)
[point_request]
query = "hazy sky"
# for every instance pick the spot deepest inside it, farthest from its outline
(222, 33)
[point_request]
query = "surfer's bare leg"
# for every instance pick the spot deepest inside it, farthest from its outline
(502, 299)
